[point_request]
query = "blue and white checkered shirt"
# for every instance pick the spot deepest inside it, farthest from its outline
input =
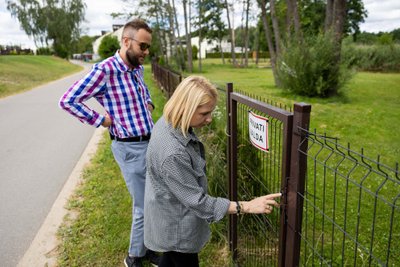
(177, 207)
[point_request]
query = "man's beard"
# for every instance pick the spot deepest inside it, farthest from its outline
(132, 58)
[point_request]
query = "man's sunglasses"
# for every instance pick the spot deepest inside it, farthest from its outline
(143, 46)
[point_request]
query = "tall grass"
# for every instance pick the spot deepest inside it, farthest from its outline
(382, 58)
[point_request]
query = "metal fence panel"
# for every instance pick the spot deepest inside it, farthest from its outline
(351, 207)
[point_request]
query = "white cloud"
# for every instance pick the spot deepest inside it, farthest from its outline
(383, 15)
(98, 15)
(10, 31)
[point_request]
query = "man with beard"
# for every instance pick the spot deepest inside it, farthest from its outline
(117, 83)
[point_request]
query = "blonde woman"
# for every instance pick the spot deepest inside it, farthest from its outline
(177, 207)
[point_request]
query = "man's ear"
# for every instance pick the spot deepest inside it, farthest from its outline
(125, 42)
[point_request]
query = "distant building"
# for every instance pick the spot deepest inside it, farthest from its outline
(116, 27)
(212, 46)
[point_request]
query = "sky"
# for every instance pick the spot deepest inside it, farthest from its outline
(383, 15)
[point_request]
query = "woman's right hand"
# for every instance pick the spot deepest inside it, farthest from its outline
(263, 204)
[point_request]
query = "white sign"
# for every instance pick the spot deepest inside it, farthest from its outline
(258, 131)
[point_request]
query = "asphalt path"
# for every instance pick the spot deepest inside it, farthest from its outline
(39, 146)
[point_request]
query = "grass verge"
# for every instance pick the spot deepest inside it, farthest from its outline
(22, 73)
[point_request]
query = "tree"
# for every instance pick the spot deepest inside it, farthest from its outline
(245, 17)
(84, 44)
(177, 55)
(268, 35)
(212, 26)
(355, 15)
(305, 22)
(108, 45)
(157, 10)
(50, 21)
(396, 35)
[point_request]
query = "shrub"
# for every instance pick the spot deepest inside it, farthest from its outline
(383, 58)
(195, 50)
(44, 51)
(109, 44)
(309, 68)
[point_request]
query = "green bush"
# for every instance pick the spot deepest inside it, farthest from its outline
(309, 68)
(61, 50)
(195, 50)
(380, 58)
(109, 44)
(45, 51)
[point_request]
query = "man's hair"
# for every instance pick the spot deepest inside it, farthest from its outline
(191, 93)
(136, 25)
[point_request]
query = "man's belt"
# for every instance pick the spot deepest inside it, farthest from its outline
(131, 139)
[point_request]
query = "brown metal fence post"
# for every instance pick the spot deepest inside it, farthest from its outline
(296, 182)
(232, 169)
(287, 146)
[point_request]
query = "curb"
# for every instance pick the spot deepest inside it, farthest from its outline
(42, 251)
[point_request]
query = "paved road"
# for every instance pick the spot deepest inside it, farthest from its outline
(39, 146)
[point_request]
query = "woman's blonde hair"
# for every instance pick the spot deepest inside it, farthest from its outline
(191, 93)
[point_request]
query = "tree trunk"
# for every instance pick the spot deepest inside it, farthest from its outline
(335, 20)
(173, 41)
(268, 36)
(257, 45)
(339, 18)
(163, 40)
(231, 32)
(188, 38)
(200, 37)
(293, 18)
(328, 15)
(335, 26)
(243, 34)
(181, 58)
(275, 27)
(246, 35)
